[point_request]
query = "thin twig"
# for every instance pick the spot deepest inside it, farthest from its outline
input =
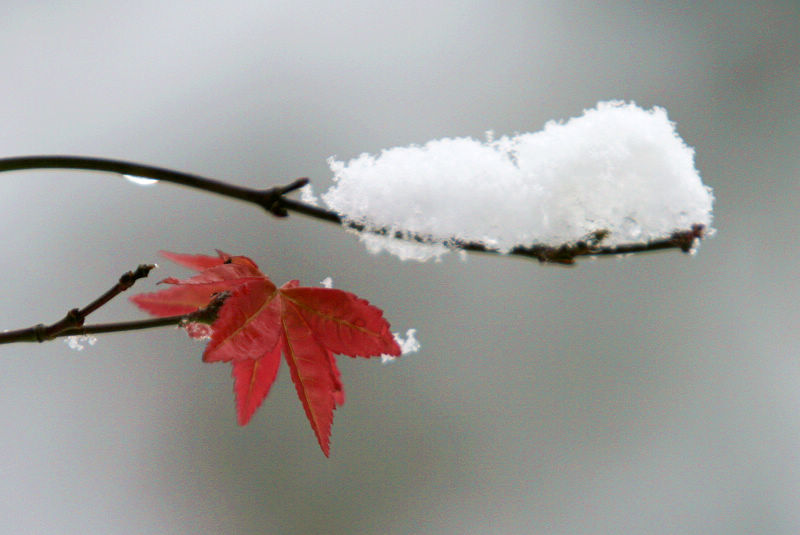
(125, 281)
(75, 318)
(274, 201)
(207, 314)
(268, 199)
(566, 254)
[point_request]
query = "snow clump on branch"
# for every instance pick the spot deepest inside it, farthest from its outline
(617, 168)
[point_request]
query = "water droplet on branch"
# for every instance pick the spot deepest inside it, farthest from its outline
(139, 181)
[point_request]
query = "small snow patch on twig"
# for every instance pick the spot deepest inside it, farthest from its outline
(79, 342)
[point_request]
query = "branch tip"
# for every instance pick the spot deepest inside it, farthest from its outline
(295, 185)
(128, 279)
(687, 240)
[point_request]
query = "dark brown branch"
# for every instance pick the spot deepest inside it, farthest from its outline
(208, 315)
(269, 199)
(591, 246)
(75, 318)
(73, 322)
(125, 281)
(274, 201)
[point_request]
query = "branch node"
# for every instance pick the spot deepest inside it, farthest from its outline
(272, 199)
(40, 332)
(74, 318)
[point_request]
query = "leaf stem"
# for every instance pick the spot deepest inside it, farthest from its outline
(274, 201)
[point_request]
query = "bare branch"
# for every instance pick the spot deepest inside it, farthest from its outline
(207, 314)
(73, 322)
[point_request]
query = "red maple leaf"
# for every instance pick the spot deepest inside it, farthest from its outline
(259, 321)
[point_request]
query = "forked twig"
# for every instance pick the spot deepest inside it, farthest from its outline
(72, 323)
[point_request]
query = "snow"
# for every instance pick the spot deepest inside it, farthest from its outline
(617, 167)
(307, 195)
(408, 345)
(78, 342)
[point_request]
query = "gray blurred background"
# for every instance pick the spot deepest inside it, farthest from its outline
(654, 394)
